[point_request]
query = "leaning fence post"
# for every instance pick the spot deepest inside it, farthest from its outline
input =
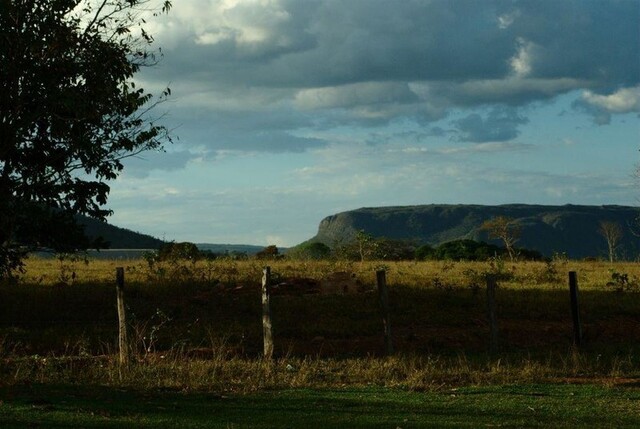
(575, 308)
(491, 314)
(383, 294)
(123, 347)
(267, 333)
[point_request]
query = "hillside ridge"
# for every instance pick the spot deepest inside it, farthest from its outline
(570, 229)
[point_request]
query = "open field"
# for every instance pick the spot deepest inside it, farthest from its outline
(196, 336)
(68, 307)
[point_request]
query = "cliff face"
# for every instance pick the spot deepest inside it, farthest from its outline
(566, 229)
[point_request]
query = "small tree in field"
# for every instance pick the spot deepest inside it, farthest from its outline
(70, 112)
(366, 245)
(505, 229)
(179, 251)
(612, 233)
(269, 252)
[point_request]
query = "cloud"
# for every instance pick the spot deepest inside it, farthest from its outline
(512, 90)
(264, 141)
(501, 124)
(313, 43)
(253, 75)
(601, 107)
(489, 147)
(521, 63)
(622, 101)
(141, 165)
(359, 94)
(212, 129)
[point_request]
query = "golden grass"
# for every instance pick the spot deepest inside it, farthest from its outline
(223, 373)
(521, 275)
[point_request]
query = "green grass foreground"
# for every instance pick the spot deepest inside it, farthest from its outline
(553, 405)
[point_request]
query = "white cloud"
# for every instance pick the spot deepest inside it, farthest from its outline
(521, 63)
(170, 190)
(506, 20)
(276, 240)
(212, 22)
(624, 100)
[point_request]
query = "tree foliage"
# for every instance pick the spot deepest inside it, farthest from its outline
(470, 250)
(70, 112)
(173, 251)
(269, 252)
(310, 251)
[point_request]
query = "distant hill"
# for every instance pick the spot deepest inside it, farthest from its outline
(569, 229)
(122, 239)
(230, 248)
(118, 238)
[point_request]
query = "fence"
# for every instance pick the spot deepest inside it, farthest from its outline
(384, 312)
(84, 318)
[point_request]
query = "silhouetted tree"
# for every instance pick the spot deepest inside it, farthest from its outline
(69, 113)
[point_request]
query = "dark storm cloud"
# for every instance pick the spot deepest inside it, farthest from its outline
(270, 69)
(330, 43)
(598, 41)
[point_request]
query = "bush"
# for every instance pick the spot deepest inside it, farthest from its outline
(310, 251)
(470, 250)
(176, 251)
(269, 252)
(424, 252)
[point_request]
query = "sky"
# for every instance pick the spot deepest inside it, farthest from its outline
(288, 111)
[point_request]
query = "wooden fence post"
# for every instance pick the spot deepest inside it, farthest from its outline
(383, 294)
(267, 333)
(123, 346)
(491, 314)
(575, 308)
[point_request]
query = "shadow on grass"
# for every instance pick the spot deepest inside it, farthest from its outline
(82, 319)
(65, 406)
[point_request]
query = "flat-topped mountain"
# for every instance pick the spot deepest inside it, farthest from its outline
(569, 229)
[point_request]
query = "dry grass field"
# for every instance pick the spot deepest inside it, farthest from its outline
(593, 275)
(199, 324)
